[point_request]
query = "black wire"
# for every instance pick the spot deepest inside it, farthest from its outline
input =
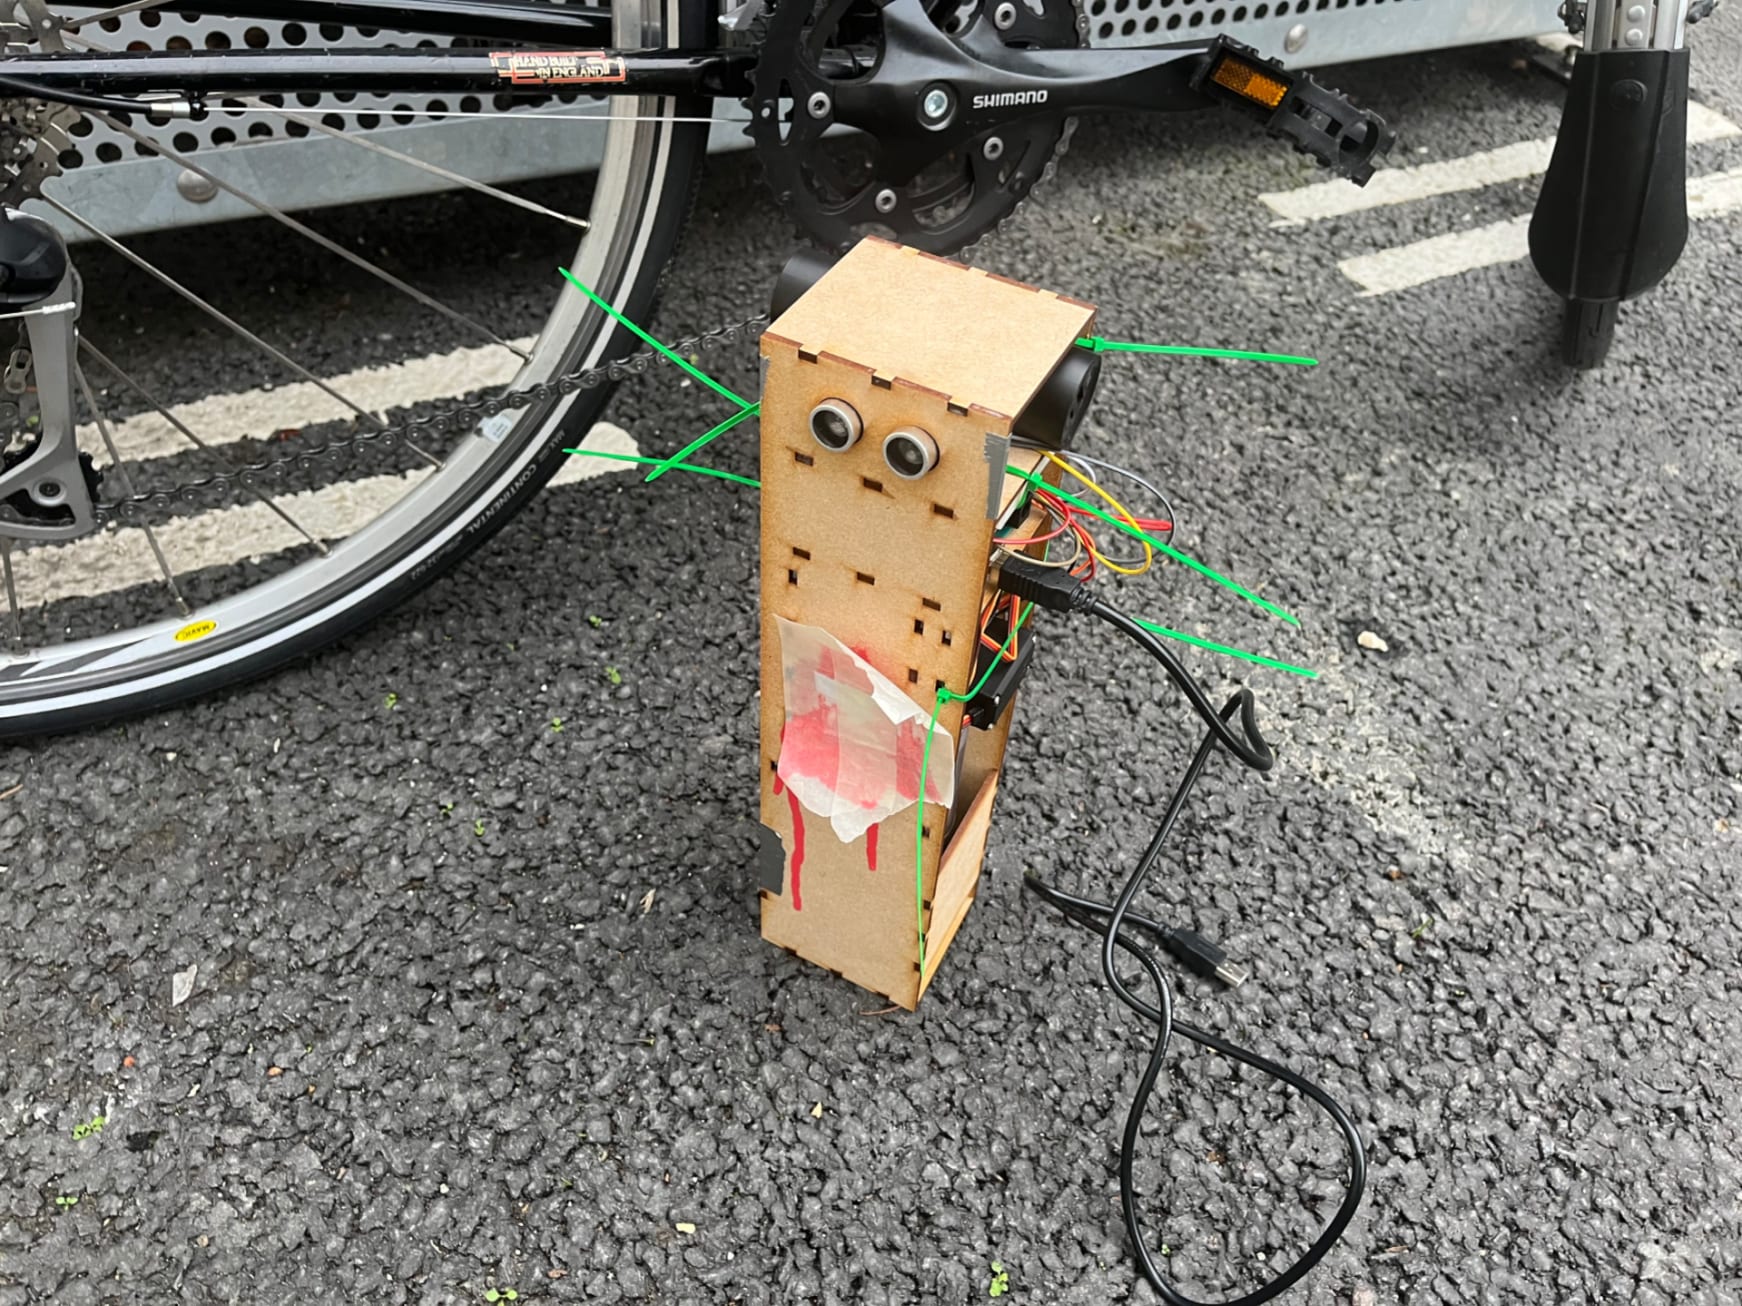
(1249, 745)
(79, 100)
(1109, 922)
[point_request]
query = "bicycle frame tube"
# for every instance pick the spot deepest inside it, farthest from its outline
(495, 20)
(201, 74)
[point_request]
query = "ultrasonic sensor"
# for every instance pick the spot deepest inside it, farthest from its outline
(835, 425)
(910, 452)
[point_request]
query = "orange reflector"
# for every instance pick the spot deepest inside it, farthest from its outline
(1248, 82)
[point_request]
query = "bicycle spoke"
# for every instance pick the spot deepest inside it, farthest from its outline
(11, 592)
(309, 233)
(181, 426)
(156, 273)
(362, 142)
(132, 7)
(127, 487)
(256, 105)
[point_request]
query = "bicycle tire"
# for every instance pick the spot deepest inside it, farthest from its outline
(658, 167)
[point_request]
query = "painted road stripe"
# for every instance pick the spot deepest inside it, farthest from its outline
(117, 560)
(226, 418)
(1336, 199)
(1423, 261)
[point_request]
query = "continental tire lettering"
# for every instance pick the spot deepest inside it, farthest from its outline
(502, 500)
(1006, 99)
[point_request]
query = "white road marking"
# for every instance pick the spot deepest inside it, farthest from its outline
(1335, 199)
(225, 418)
(116, 560)
(1422, 261)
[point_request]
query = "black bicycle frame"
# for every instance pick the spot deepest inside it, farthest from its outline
(214, 73)
(513, 69)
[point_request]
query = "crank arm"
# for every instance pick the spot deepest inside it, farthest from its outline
(945, 95)
(50, 479)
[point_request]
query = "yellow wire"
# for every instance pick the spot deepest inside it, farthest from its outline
(1121, 509)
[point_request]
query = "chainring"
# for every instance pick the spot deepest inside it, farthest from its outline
(840, 187)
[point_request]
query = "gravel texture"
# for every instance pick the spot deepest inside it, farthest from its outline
(480, 1003)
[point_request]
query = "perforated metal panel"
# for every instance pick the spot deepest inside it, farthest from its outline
(168, 30)
(1304, 33)
(120, 187)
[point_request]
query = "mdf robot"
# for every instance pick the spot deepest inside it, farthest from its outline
(898, 389)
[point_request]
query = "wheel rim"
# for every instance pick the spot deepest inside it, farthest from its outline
(418, 528)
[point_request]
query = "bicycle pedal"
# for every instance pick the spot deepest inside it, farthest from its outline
(1315, 119)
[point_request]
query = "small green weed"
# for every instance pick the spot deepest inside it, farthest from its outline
(501, 1294)
(556, 724)
(1419, 930)
(478, 826)
(92, 1126)
(613, 675)
(595, 620)
(66, 1201)
(1000, 1280)
(392, 700)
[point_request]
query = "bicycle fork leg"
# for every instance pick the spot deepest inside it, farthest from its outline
(1611, 219)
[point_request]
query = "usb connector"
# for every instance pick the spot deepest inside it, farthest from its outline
(1198, 955)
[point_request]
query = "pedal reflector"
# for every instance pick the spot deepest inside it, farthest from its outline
(1248, 82)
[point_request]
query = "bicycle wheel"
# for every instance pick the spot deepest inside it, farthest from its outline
(317, 571)
(1587, 331)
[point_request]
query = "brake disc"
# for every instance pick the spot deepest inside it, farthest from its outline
(841, 184)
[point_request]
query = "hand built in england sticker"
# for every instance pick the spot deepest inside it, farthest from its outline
(557, 67)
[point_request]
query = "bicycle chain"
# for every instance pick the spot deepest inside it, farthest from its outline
(456, 418)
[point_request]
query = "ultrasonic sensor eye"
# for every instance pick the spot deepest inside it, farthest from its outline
(835, 425)
(910, 452)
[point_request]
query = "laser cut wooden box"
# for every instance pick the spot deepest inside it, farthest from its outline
(895, 569)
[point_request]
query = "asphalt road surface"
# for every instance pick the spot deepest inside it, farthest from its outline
(479, 1004)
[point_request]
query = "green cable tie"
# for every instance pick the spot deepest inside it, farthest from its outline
(1154, 543)
(700, 440)
(1214, 647)
(1101, 345)
(944, 695)
(684, 363)
(680, 467)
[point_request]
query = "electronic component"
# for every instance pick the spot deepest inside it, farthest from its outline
(986, 708)
(1052, 417)
(910, 452)
(835, 425)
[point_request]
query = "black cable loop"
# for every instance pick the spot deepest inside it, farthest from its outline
(1252, 749)
(1082, 912)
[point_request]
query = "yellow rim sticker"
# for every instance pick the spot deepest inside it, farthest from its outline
(196, 630)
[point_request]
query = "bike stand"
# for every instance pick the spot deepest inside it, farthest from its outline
(1611, 218)
(891, 390)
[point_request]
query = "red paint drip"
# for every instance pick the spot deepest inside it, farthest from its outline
(797, 848)
(871, 847)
